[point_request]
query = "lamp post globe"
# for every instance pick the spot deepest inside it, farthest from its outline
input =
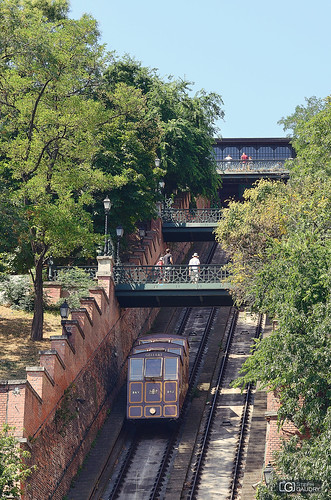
(119, 233)
(107, 204)
(64, 311)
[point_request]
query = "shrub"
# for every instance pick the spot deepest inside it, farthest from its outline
(16, 292)
(12, 466)
(76, 282)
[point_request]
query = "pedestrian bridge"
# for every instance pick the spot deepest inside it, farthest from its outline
(155, 286)
(190, 224)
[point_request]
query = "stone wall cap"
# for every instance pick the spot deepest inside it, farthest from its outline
(271, 413)
(91, 299)
(40, 369)
(53, 352)
(13, 382)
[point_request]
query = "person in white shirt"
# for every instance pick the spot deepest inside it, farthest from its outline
(194, 267)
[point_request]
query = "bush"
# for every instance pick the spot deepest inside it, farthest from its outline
(76, 282)
(12, 466)
(16, 292)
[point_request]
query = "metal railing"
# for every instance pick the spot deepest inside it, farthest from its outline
(196, 215)
(53, 271)
(253, 166)
(176, 274)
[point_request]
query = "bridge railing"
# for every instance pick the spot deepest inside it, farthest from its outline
(176, 274)
(252, 166)
(196, 215)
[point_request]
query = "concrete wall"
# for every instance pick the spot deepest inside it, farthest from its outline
(59, 408)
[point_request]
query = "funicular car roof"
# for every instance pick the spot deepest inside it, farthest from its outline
(162, 347)
(163, 337)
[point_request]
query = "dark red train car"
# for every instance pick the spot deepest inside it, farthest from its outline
(157, 377)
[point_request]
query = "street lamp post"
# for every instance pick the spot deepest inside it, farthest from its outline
(142, 233)
(64, 312)
(119, 233)
(107, 206)
(268, 474)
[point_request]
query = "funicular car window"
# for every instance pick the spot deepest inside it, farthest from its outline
(170, 368)
(136, 369)
(178, 341)
(153, 367)
(175, 350)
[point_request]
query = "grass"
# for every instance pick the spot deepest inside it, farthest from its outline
(16, 348)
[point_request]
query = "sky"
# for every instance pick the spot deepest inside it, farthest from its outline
(263, 57)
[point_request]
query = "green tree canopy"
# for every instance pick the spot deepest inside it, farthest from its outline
(280, 248)
(49, 72)
(184, 125)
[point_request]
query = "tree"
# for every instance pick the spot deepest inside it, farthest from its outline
(13, 469)
(50, 72)
(279, 242)
(310, 126)
(184, 125)
(126, 155)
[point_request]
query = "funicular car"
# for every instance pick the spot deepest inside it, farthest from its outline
(157, 377)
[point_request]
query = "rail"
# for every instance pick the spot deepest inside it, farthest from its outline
(142, 275)
(191, 215)
(53, 271)
(251, 166)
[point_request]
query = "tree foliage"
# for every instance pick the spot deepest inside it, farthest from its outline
(12, 466)
(280, 248)
(184, 125)
(48, 72)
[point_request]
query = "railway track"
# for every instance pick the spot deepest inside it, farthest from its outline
(143, 469)
(216, 466)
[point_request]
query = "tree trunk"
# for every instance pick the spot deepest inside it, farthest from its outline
(38, 316)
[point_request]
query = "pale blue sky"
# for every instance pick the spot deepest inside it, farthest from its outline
(262, 57)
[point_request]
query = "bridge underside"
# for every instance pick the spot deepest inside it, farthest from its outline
(187, 295)
(188, 232)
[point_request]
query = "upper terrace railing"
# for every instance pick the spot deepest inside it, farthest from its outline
(53, 271)
(191, 215)
(251, 166)
(133, 276)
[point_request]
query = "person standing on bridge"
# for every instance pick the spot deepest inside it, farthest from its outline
(244, 157)
(159, 272)
(194, 268)
(167, 262)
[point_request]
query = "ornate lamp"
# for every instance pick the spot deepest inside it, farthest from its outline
(107, 204)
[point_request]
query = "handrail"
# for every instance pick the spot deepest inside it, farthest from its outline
(256, 166)
(191, 215)
(137, 275)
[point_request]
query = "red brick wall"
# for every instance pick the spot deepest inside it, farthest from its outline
(274, 434)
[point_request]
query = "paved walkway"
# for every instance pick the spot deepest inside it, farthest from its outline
(96, 460)
(257, 440)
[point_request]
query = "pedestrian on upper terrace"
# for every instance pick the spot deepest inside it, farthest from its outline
(244, 157)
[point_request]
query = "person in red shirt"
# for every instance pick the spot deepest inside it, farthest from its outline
(244, 157)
